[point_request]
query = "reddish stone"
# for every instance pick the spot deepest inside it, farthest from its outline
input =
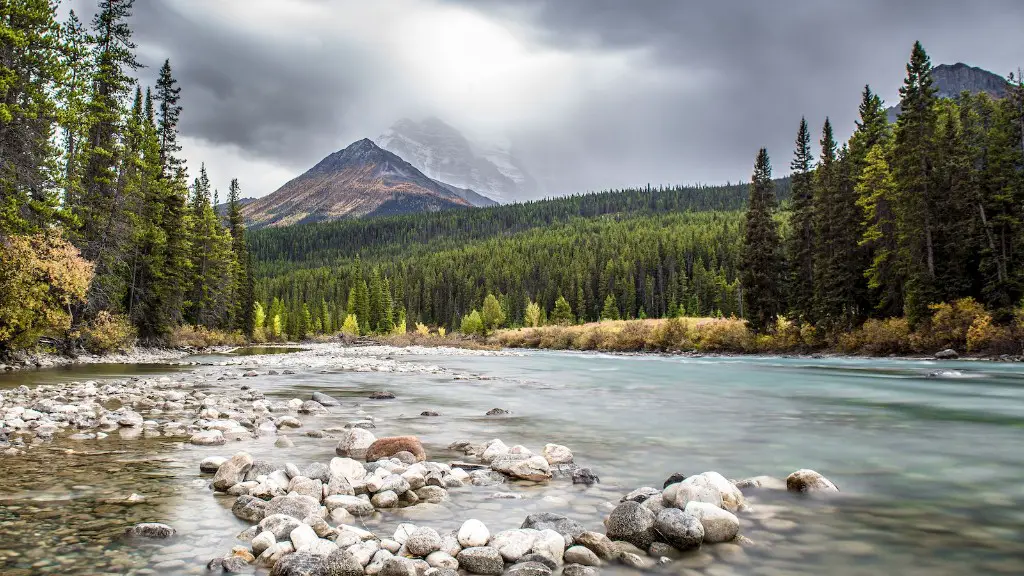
(388, 447)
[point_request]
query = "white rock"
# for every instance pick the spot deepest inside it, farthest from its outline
(514, 544)
(494, 449)
(348, 468)
(302, 536)
(441, 559)
(719, 525)
(403, 532)
(473, 533)
(550, 544)
(557, 454)
(262, 541)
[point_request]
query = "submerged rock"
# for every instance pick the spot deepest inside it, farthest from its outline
(497, 412)
(152, 530)
(382, 395)
(325, 400)
(809, 481)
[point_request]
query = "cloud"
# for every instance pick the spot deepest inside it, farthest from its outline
(594, 93)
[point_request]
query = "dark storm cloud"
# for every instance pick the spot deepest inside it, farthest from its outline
(273, 100)
(764, 64)
(703, 84)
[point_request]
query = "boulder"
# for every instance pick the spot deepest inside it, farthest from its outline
(585, 476)
(347, 468)
(343, 563)
(557, 454)
(354, 505)
(232, 472)
(249, 508)
(513, 544)
(384, 499)
(633, 523)
(312, 407)
(302, 536)
(318, 471)
(719, 525)
(262, 541)
(279, 525)
(390, 446)
(809, 481)
(579, 570)
(534, 468)
(354, 442)
(947, 354)
(151, 530)
(549, 544)
(306, 487)
(675, 478)
(300, 564)
(325, 400)
(641, 494)
(208, 438)
(423, 541)
(481, 560)
(581, 555)
(599, 544)
(441, 559)
(210, 464)
(492, 450)
(295, 506)
(473, 534)
(761, 483)
(696, 491)
(382, 395)
(568, 528)
(396, 566)
(529, 569)
(681, 530)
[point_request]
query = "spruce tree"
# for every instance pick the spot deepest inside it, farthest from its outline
(376, 311)
(761, 262)
(801, 245)
(611, 309)
(29, 71)
(167, 95)
(914, 157)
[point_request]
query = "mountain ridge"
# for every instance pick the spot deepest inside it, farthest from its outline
(360, 180)
(950, 80)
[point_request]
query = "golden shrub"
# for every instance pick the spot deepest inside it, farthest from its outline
(723, 335)
(108, 333)
(950, 323)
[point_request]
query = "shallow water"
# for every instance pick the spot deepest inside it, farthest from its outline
(930, 468)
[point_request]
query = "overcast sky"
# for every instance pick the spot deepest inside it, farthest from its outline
(594, 93)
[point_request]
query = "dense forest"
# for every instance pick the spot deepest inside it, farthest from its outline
(102, 237)
(890, 225)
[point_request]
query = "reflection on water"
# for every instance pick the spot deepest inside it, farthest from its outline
(261, 350)
(930, 468)
(81, 372)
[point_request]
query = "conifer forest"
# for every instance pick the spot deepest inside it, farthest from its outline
(107, 236)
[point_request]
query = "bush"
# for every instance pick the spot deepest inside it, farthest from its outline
(593, 338)
(723, 335)
(351, 326)
(40, 279)
(672, 335)
(786, 335)
(556, 338)
(108, 333)
(950, 323)
(985, 337)
(187, 336)
(634, 336)
(889, 336)
(441, 331)
(422, 330)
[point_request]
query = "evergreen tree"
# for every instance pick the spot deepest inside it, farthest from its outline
(242, 284)
(361, 301)
(876, 194)
(30, 68)
(912, 167)
(562, 314)
(376, 310)
(761, 263)
(168, 94)
(611, 309)
(801, 239)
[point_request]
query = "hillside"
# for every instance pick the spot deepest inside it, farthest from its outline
(361, 180)
(951, 80)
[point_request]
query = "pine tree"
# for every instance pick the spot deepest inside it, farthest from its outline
(562, 314)
(801, 244)
(376, 311)
(168, 94)
(611, 309)
(912, 166)
(30, 69)
(761, 262)
(242, 284)
(361, 301)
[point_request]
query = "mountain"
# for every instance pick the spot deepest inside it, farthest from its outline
(222, 208)
(444, 154)
(361, 180)
(952, 79)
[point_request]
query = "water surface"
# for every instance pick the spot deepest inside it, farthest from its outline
(930, 468)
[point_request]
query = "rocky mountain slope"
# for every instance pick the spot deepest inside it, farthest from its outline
(953, 79)
(361, 180)
(444, 154)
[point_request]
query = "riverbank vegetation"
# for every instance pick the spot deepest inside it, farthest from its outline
(103, 238)
(866, 247)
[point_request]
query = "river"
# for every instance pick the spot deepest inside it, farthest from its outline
(929, 457)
